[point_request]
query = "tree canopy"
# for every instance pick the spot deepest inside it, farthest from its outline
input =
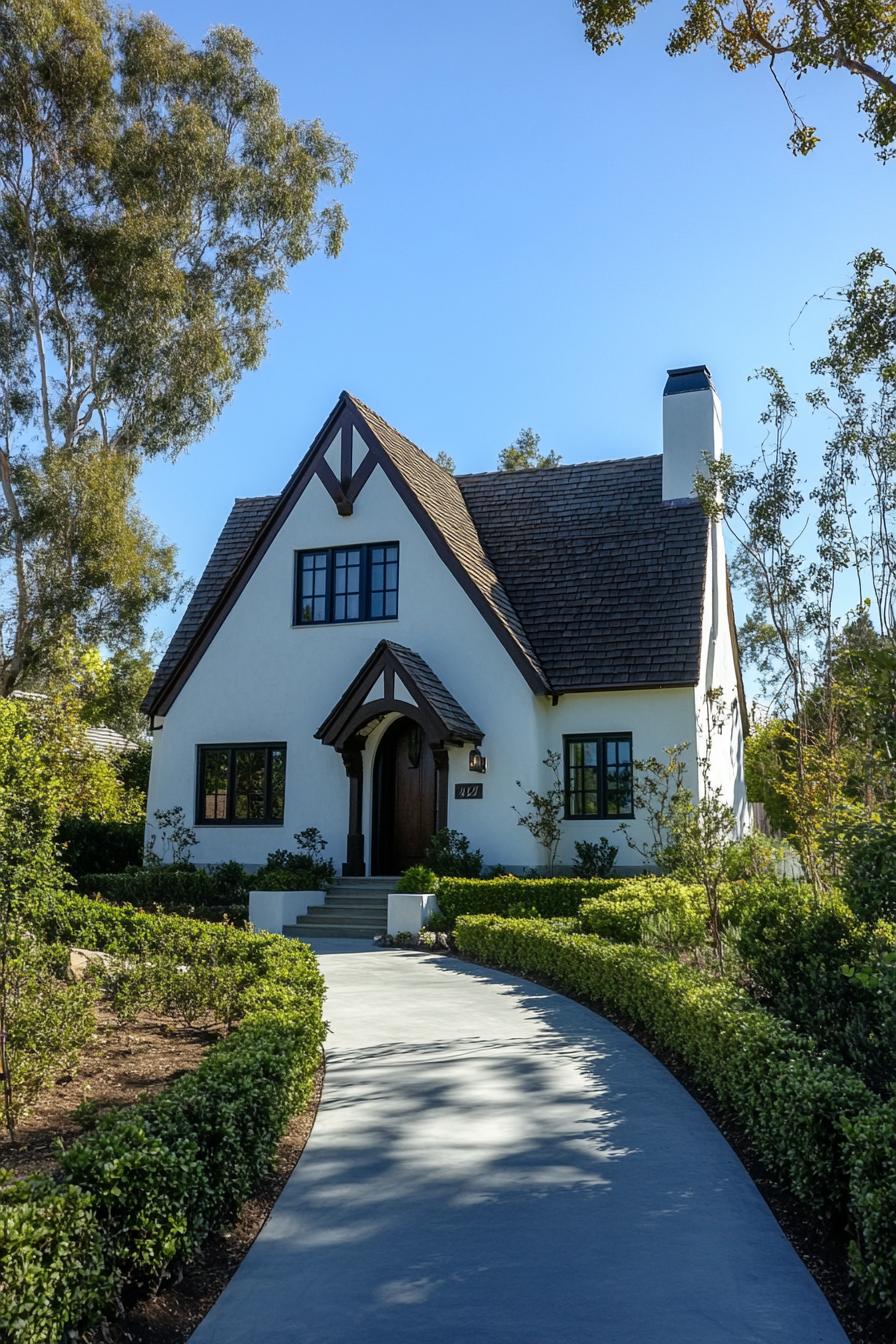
(524, 453)
(152, 202)
(856, 36)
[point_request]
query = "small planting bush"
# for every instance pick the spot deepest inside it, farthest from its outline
(302, 869)
(547, 896)
(417, 879)
(448, 854)
(594, 859)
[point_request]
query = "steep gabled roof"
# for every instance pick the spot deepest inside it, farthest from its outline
(586, 576)
(243, 524)
(606, 578)
(438, 494)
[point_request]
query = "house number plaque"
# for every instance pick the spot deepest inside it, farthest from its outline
(468, 790)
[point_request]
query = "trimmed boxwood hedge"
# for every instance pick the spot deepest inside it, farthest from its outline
(550, 896)
(621, 913)
(141, 1191)
(814, 1123)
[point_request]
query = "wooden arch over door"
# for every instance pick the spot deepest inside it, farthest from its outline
(394, 681)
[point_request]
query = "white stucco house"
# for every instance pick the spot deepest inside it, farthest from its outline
(385, 648)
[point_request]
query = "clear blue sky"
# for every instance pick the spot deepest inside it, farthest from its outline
(536, 235)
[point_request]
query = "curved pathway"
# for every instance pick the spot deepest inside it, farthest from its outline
(494, 1163)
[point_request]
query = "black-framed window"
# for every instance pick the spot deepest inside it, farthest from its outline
(346, 583)
(241, 784)
(598, 776)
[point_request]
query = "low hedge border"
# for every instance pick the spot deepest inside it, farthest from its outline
(141, 1191)
(814, 1123)
(550, 896)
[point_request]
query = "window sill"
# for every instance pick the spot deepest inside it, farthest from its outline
(341, 625)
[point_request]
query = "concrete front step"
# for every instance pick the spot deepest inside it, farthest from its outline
(323, 914)
(306, 931)
(375, 909)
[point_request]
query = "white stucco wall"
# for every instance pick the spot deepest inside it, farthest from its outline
(725, 748)
(264, 680)
(261, 679)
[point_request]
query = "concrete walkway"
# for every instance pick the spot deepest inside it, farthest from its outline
(492, 1162)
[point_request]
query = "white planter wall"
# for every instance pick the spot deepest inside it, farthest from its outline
(270, 910)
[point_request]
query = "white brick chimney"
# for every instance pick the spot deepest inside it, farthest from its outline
(692, 429)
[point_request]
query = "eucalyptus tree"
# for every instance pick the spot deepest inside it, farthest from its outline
(153, 199)
(854, 36)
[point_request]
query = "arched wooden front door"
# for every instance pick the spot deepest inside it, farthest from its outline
(404, 798)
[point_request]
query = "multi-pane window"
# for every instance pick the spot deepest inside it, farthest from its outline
(347, 583)
(241, 785)
(598, 775)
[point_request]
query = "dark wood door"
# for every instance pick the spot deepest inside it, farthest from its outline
(406, 798)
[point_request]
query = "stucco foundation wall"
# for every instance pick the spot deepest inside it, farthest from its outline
(262, 680)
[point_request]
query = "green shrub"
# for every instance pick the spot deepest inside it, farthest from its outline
(640, 907)
(155, 1178)
(871, 1153)
(549, 896)
(869, 871)
(159, 885)
(91, 846)
(302, 869)
(594, 859)
(52, 1263)
(787, 1096)
(815, 963)
(448, 854)
(48, 1023)
(271, 878)
(417, 879)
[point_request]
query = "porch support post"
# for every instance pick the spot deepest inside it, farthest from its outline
(353, 760)
(440, 756)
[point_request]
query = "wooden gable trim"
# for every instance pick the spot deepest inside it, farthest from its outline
(344, 417)
(352, 711)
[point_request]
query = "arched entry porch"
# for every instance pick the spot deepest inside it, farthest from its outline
(396, 683)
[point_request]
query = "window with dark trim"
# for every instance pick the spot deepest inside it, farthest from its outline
(243, 784)
(346, 583)
(598, 776)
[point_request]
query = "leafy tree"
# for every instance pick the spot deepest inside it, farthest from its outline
(858, 38)
(446, 462)
(523, 453)
(152, 201)
(822, 629)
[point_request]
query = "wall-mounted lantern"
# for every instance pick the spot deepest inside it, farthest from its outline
(478, 763)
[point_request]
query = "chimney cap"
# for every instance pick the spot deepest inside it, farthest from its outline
(695, 378)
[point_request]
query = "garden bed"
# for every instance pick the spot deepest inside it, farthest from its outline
(123, 1063)
(171, 1315)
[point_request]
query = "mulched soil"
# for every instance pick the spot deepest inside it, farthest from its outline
(175, 1311)
(121, 1064)
(822, 1251)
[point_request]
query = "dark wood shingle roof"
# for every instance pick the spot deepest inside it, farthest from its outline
(243, 525)
(606, 579)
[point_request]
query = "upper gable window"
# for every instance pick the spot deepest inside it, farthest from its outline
(347, 583)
